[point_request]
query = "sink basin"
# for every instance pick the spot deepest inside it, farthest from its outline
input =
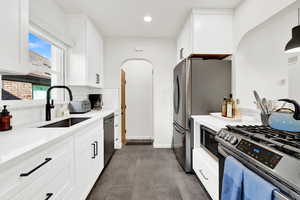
(65, 123)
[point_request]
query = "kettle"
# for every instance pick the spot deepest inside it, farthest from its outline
(285, 119)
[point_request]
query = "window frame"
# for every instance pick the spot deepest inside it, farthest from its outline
(38, 31)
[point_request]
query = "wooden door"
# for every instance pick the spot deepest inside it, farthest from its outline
(123, 107)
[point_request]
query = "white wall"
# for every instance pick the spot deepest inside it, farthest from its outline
(260, 61)
(139, 99)
(162, 54)
(251, 13)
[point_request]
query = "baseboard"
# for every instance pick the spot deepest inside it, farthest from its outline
(162, 146)
(139, 138)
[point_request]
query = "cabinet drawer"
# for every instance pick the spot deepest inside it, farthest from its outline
(39, 167)
(207, 170)
(58, 184)
(202, 156)
(60, 187)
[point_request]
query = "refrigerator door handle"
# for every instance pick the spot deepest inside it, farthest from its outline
(179, 131)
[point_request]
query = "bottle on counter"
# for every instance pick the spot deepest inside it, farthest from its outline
(229, 107)
(224, 108)
(236, 110)
(5, 119)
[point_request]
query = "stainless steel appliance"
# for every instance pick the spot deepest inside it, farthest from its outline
(199, 88)
(79, 107)
(109, 137)
(208, 141)
(96, 101)
(272, 154)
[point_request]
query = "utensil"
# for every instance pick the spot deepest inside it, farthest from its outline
(286, 121)
(265, 105)
(259, 102)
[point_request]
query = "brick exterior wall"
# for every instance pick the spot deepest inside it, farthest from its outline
(21, 90)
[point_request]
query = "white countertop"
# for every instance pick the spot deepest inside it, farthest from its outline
(23, 140)
(217, 124)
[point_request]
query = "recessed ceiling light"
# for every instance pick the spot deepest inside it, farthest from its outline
(148, 18)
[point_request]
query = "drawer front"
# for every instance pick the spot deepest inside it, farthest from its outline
(59, 188)
(38, 167)
(57, 185)
(207, 170)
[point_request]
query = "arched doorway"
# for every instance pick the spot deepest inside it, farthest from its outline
(137, 101)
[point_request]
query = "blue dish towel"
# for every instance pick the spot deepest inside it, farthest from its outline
(256, 188)
(232, 180)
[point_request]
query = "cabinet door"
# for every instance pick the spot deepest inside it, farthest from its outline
(98, 161)
(14, 37)
(101, 62)
(84, 173)
(184, 42)
(213, 33)
(88, 162)
(93, 64)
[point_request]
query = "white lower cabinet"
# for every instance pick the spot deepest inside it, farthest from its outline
(66, 170)
(89, 158)
(35, 173)
(206, 167)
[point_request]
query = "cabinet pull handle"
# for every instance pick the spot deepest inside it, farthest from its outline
(38, 167)
(94, 150)
(202, 174)
(49, 195)
(97, 78)
(96, 154)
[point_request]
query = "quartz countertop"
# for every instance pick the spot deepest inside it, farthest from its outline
(24, 140)
(217, 124)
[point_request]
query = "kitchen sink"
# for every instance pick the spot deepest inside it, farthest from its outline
(65, 123)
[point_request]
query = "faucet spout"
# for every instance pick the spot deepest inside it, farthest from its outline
(49, 105)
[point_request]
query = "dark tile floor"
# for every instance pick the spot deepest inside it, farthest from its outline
(144, 173)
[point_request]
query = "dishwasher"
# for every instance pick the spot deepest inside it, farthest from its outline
(109, 138)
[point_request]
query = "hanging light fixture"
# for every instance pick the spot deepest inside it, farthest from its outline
(293, 46)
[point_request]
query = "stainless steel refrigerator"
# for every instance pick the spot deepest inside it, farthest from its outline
(199, 89)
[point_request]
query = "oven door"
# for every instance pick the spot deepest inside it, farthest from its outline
(278, 195)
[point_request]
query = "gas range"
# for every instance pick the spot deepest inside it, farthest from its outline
(275, 154)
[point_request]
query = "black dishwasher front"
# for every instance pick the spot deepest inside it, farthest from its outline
(109, 137)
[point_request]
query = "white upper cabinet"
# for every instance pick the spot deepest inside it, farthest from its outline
(86, 57)
(207, 31)
(14, 56)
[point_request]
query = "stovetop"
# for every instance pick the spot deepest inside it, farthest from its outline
(284, 142)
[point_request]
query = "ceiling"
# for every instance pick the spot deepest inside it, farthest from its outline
(124, 18)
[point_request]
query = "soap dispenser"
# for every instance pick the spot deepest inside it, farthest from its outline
(5, 118)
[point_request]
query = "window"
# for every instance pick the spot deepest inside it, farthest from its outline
(47, 58)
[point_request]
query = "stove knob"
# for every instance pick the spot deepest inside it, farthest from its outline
(227, 137)
(233, 140)
(222, 134)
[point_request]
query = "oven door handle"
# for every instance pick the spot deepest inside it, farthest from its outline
(222, 152)
(279, 196)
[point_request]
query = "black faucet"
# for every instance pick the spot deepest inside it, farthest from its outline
(49, 105)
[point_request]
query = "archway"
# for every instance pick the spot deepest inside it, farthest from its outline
(137, 101)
